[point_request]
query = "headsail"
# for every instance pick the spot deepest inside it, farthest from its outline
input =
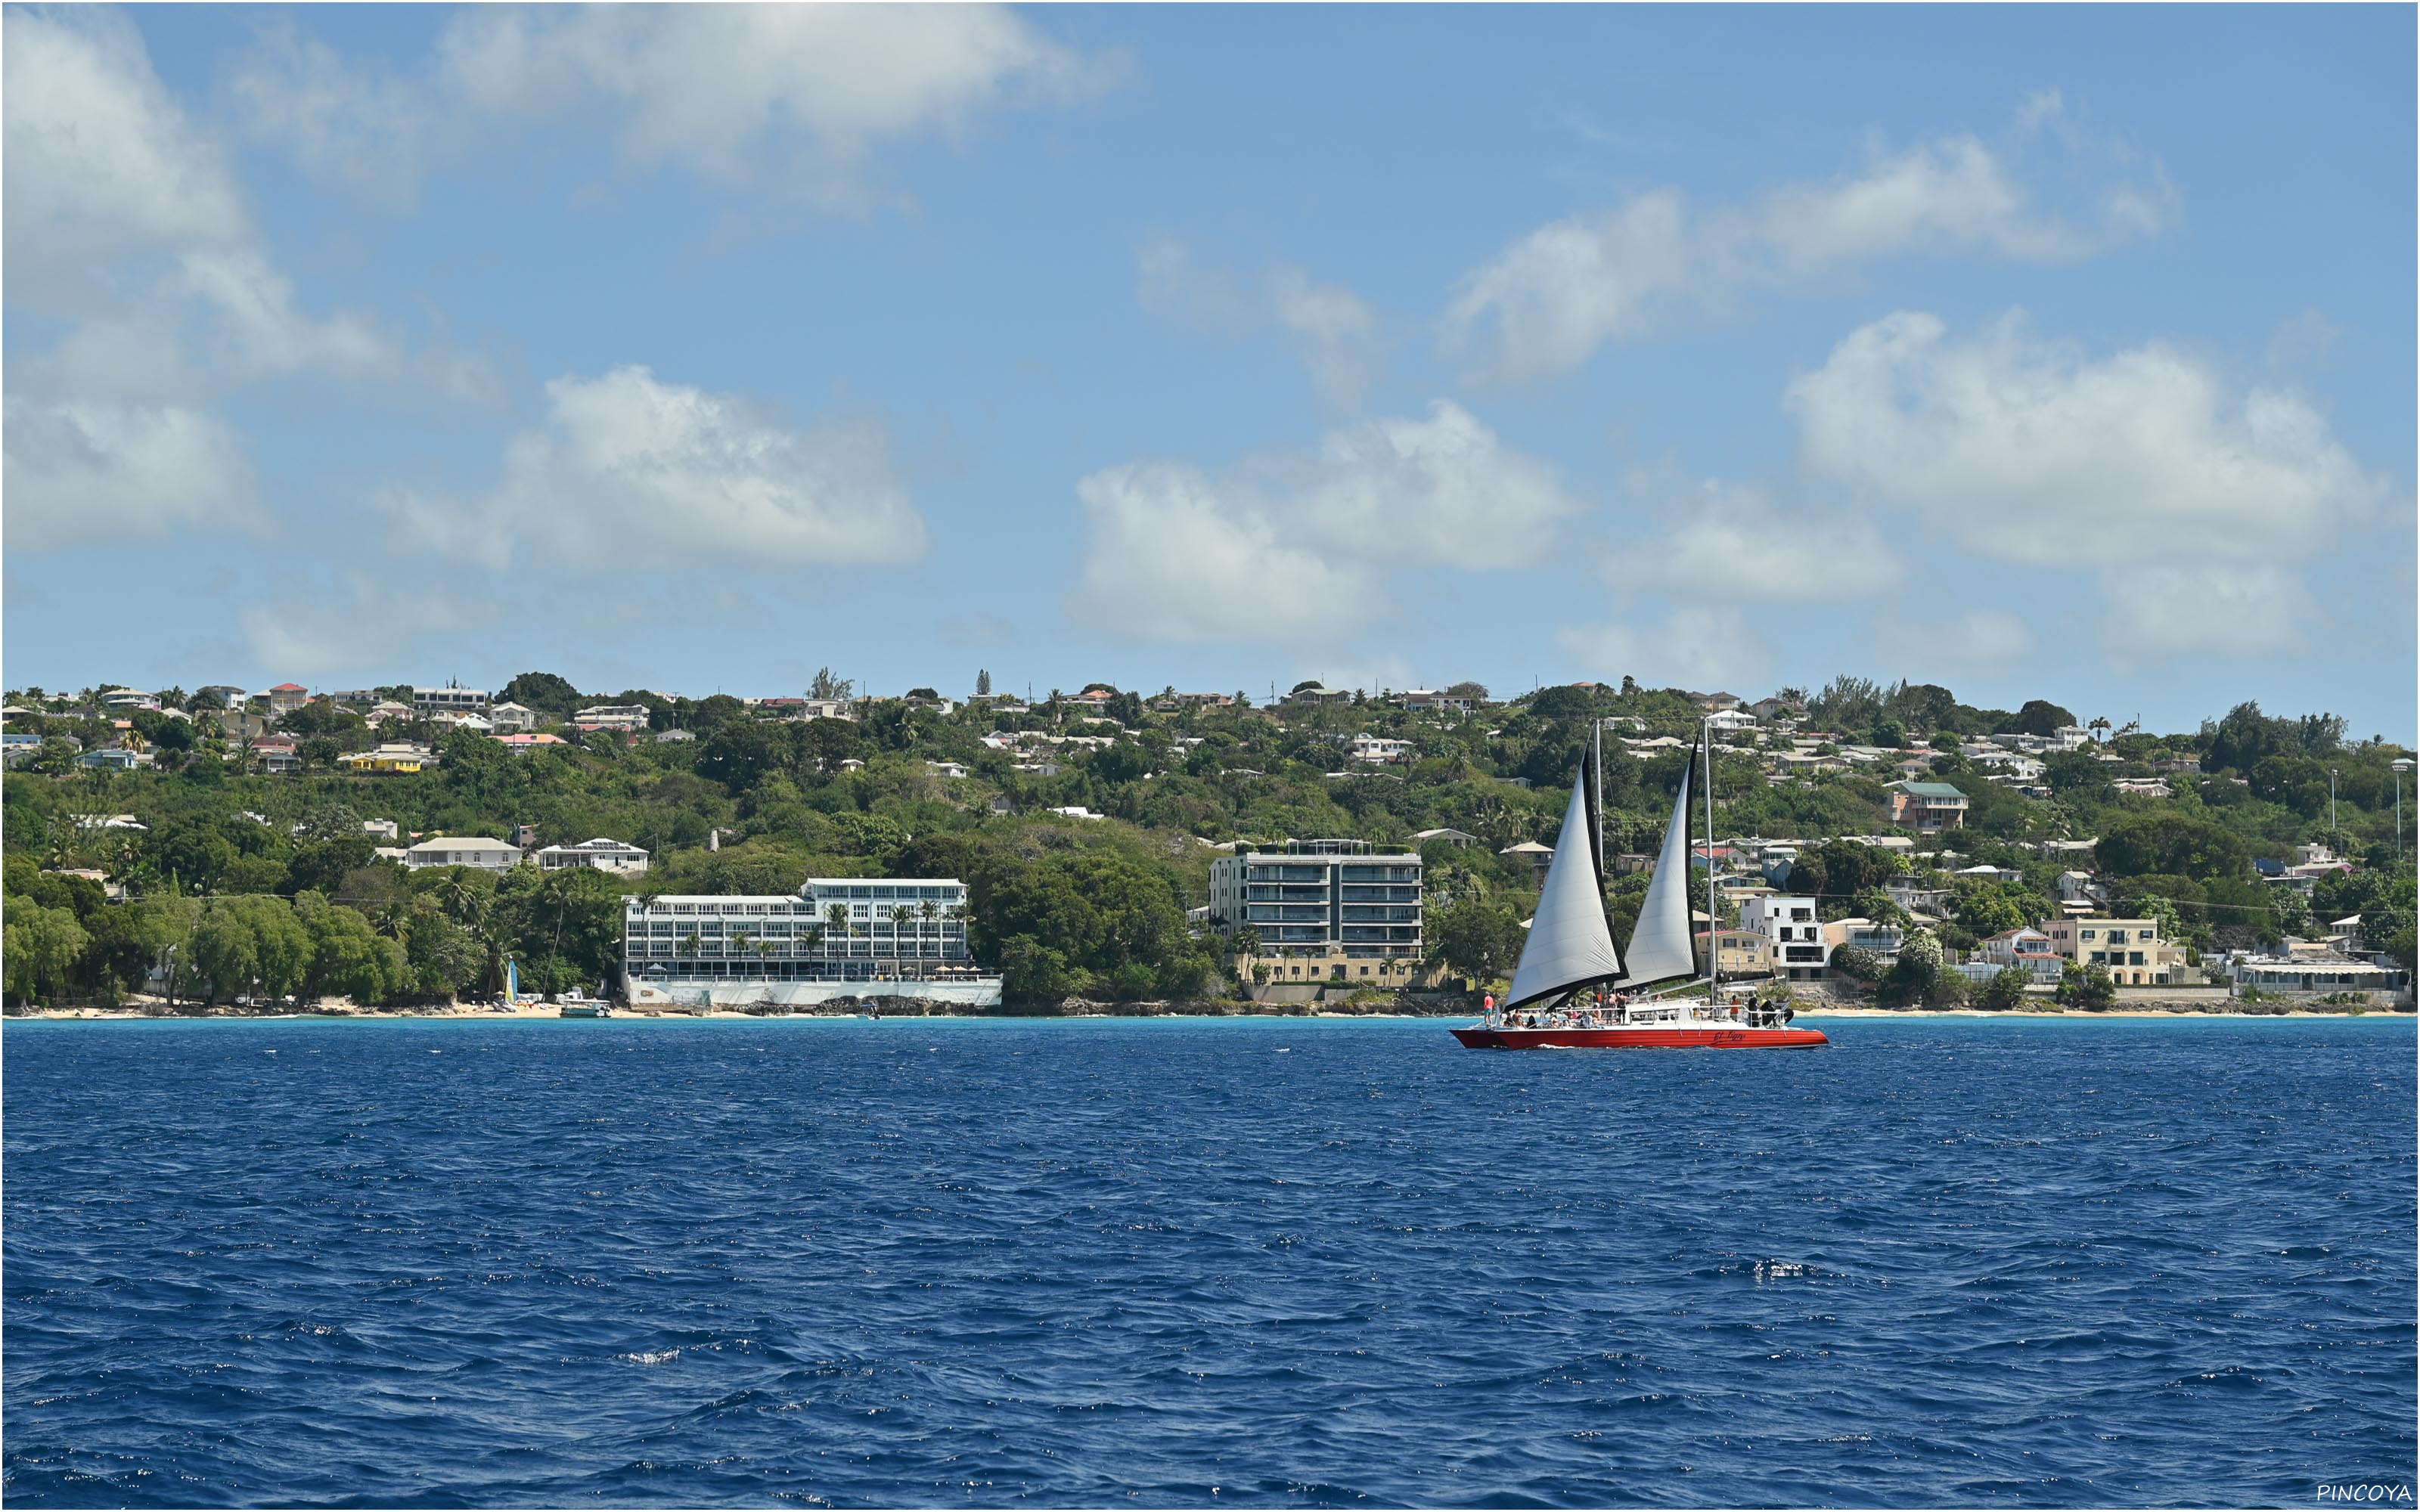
(1663, 945)
(1570, 943)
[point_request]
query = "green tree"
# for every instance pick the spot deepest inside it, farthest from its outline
(42, 947)
(2005, 990)
(2087, 987)
(1476, 937)
(2039, 716)
(544, 692)
(2166, 841)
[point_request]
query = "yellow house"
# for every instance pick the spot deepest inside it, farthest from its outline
(2129, 948)
(405, 758)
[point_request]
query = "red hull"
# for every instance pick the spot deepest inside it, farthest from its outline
(1711, 1037)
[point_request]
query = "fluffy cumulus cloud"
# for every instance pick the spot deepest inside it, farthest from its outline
(791, 99)
(1545, 304)
(628, 467)
(76, 472)
(128, 231)
(1175, 556)
(1734, 535)
(102, 161)
(2189, 498)
(1291, 548)
(2024, 447)
(1693, 648)
(1331, 330)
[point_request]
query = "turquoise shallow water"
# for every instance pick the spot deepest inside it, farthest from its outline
(2049, 1262)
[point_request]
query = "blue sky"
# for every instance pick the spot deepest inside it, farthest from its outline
(2041, 352)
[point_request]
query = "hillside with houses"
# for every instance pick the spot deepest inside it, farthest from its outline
(409, 844)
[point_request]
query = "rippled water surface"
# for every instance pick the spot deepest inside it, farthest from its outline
(1266, 1261)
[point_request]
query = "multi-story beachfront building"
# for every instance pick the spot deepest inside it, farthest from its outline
(836, 936)
(2129, 948)
(1323, 910)
(1799, 951)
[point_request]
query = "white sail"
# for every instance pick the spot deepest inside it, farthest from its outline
(1570, 942)
(1663, 944)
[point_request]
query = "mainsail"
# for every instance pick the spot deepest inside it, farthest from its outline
(1663, 944)
(1570, 944)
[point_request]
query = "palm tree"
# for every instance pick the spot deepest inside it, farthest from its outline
(738, 941)
(900, 914)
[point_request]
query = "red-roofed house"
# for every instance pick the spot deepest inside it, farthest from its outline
(288, 697)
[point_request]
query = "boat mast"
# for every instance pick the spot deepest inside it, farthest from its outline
(1714, 948)
(1597, 735)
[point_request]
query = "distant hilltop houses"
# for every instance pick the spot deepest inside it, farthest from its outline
(1312, 840)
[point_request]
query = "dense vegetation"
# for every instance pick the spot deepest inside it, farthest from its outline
(268, 886)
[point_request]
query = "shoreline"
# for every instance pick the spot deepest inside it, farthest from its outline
(549, 1012)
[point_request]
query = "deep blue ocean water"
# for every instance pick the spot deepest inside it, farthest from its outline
(1260, 1261)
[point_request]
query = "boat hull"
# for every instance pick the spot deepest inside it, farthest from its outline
(1688, 1037)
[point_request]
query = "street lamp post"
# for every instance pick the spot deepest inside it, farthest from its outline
(2332, 801)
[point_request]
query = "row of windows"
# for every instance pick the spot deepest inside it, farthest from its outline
(2116, 958)
(673, 950)
(882, 891)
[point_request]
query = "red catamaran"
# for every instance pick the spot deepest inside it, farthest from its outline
(1574, 989)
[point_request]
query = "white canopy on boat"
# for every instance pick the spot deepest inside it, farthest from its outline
(1570, 943)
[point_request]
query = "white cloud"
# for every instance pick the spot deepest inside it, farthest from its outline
(1976, 637)
(355, 624)
(1732, 536)
(2032, 451)
(372, 135)
(100, 162)
(1333, 332)
(2164, 610)
(792, 97)
(1290, 547)
(1174, 557)
(1691, 648)
(77, 474)
(1546, 303)
(125, 222)
(629, 469)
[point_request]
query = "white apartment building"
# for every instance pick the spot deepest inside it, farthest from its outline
(1325, 909)
(1790, 923)
(596, 855)
(449, 699)
(837, 936)
(512, 718)
(612, 717)
(464, 850)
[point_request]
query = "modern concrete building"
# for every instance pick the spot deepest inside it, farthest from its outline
(1329, 910)
(596, 855)
(459, 700)
(1796, 935)
(837, 936)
